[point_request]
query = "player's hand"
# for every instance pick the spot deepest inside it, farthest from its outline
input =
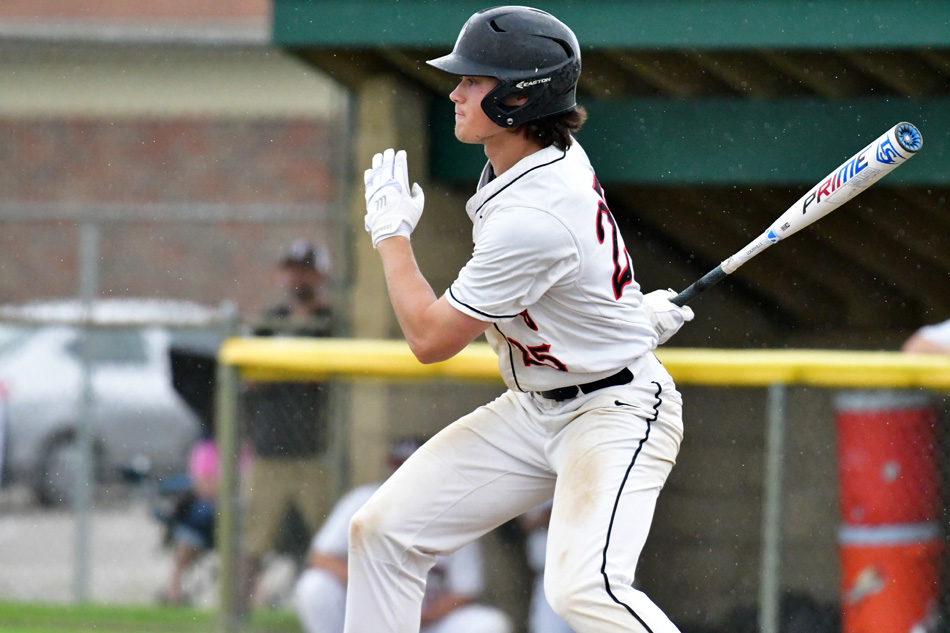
(667, 317)
(392, 207)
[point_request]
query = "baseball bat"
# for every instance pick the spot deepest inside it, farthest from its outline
(884, 155)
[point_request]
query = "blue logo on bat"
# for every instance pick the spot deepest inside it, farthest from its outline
(773, 238)
(887, 153)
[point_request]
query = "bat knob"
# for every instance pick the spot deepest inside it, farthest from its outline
(909, 137)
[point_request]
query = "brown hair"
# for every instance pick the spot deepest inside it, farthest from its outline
(556, 129)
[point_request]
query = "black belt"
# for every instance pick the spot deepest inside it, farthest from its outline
(622, 377)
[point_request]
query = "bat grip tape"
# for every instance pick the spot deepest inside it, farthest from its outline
(714, 276)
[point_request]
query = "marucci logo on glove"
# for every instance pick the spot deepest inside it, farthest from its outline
(392, 206)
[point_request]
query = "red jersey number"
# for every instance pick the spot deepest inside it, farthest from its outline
(623, 274)
(537, 355)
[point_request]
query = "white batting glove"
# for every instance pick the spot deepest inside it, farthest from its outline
(392, 208)
(667, 317)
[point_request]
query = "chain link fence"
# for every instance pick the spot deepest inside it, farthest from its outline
(755, 531)
(852, 536)
(101, 395)
(810, 500)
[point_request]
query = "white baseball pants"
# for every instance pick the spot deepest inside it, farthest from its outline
(604, 456)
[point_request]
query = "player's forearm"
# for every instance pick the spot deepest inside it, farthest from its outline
(441, 607)
(332, 564)
(412, 299)
(206, 488)
(917, 344)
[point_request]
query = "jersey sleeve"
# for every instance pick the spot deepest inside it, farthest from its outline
(939, 333)
(520, 253)
(333, 536)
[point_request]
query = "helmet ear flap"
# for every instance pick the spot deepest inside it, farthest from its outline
(504, 114)
(546, 96)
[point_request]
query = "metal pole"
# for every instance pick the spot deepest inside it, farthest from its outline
(340, 437)
(231, 602)
(770, 573)
(82, 486)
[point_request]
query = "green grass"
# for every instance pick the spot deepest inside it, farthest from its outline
(43, 618)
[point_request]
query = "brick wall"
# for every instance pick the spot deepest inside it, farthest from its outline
(80, 167)
(86, 9)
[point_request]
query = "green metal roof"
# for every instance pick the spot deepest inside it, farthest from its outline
(644, 24)
(727, 141)
(708, 117)
(685, 92)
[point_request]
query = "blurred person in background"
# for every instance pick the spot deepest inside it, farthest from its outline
(191, 506)
(285, 423)
(190, 528)
(930, 339)
(453, 587)
(541, 617)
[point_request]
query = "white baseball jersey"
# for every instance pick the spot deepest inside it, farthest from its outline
(332, 536)
(320, 598)
(938, 333)
(459, 573)
(551, 272)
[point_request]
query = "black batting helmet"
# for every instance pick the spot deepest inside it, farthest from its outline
(528, 51)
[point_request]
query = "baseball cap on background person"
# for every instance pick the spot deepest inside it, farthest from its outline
(305, 253)
(305, 307)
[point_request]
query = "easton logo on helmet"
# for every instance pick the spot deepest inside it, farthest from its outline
(525, 84)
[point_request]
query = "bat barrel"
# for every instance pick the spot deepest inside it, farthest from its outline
(847, 180)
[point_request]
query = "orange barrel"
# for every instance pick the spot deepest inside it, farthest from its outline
(887, 457)
(890, 577)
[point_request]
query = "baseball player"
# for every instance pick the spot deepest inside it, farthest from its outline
(453, 586)
(930, 339)
(591, 417)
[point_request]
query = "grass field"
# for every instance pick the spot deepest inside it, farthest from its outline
(36, 618)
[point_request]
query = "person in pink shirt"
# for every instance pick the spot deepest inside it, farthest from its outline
(192, 524)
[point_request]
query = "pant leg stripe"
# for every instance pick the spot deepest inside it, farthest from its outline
(613, 514)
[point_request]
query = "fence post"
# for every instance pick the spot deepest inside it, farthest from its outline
(228, 534)
(85, 475)
(770, 573)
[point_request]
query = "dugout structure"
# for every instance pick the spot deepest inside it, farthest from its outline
(707, 119)
(777, 371)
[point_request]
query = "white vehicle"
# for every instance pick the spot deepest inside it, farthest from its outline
(135, 414)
